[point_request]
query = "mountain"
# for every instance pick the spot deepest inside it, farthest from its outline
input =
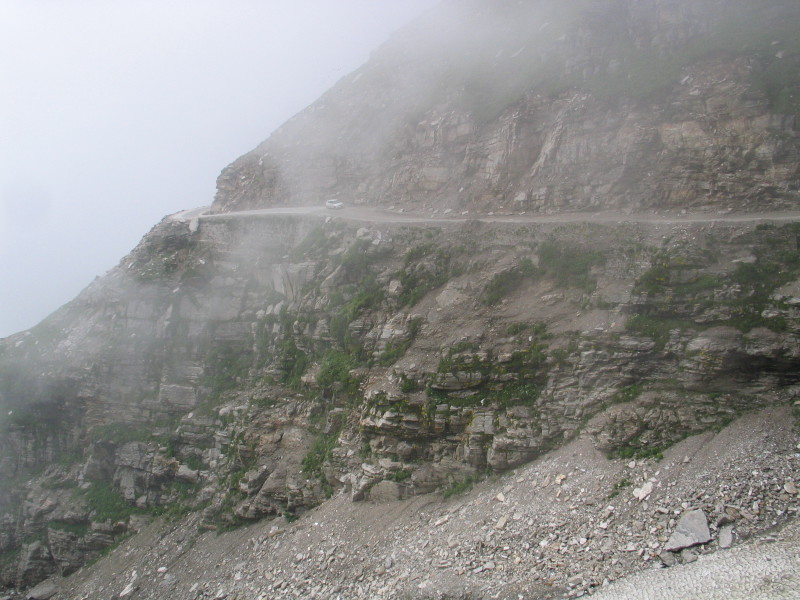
(567, 273)
(538, 106)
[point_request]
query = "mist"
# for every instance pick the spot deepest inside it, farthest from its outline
(118, 114)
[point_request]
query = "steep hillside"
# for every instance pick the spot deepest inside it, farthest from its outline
(237, 367)
(551, 106)
(253, 367)
(566, 525)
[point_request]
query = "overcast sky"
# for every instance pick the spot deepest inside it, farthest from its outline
(116, 113)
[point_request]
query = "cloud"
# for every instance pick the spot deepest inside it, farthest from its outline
(117, 113)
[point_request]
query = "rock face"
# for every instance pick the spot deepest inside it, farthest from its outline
(244, 367)
(261, 388)
(541, 106)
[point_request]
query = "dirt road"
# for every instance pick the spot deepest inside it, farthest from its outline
(379, 215)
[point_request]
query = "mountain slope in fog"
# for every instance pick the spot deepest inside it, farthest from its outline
(240, 367)
(551, 106)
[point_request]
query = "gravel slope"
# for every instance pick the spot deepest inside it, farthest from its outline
(766, 569)
(566, 525)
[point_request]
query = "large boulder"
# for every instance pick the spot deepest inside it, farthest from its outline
(692, 530)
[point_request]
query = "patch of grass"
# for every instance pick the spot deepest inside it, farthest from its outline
(106, 504)
(355, 259)
(122, 433)
(225, 519)
(569, 265)
(627, 394)
(455, 362)
(314, 245)
(367, 296)
(76, 529)
(225, 368)
(194, 462)
(335, 372)
(501, 285)
(739, 298)
(634, 450)
(461, 486)
(517, 394)
(657, 329)
(619, 486)
(758, 281)
(182, 496)
(290, 516)
(393, 353)
(425, 268)
(408, 385)
(60, 484)
(366, 450)
(399, 476)
(527, 363)
(517, 328)
(293, 363)
(321, 451)
(10, 557)
(505, 282)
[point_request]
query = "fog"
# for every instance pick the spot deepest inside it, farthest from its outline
(116, 114)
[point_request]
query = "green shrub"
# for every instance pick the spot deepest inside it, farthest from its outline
(657, 329)
(569, 265)
(321, 451)
(408, 385)
(122, 433)
(400, 476)
(417, 278)
(106, 504)
(76, 529)
(335, 369)
(293, 363)
(627, 394)
(461, 486)
(637, 452)
(501, 285)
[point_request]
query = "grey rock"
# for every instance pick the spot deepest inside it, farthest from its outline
(687, 556)
(668, 558)
(43, 591)
(692, 530)
(726, 536)
(184, 473)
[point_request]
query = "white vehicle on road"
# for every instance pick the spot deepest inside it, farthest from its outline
(334, 204)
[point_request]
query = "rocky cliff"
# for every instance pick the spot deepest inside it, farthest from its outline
(551, 106)
(247, 366)
(254, 367)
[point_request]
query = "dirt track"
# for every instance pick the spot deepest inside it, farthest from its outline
(376, 215)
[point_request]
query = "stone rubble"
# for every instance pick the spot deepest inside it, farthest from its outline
(554, 529)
